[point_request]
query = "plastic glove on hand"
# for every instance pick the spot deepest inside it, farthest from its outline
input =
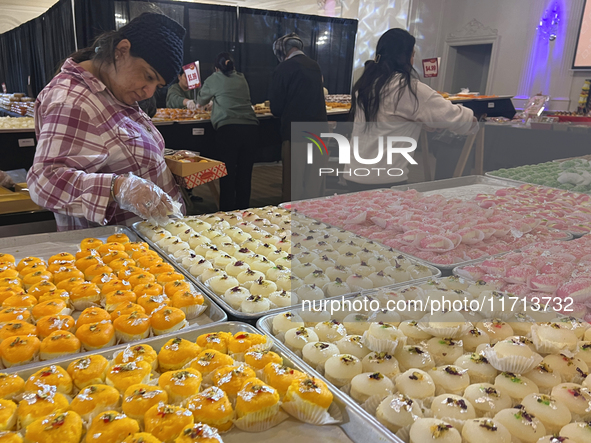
(191, 105)
(145, 199)
(6, 180)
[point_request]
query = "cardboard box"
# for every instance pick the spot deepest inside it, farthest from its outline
(12, 202)
(192, 174)
(21, 187)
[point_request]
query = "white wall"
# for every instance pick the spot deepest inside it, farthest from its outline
(526, 64)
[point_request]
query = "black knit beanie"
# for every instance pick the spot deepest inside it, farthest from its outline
(159, 41)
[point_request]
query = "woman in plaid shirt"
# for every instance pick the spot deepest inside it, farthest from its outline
(99, 158)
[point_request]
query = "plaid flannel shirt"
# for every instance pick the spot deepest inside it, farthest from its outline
(84, 136)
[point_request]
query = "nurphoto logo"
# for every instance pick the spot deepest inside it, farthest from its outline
(387, 146)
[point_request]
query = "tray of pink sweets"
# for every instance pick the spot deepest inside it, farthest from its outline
(555, 272)
(444, 232)
(555, 208)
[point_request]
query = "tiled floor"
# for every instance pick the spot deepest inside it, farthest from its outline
(266, 186)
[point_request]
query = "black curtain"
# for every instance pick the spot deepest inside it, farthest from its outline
(329, 41)
(32, 53)
(37, 48)
(93, 17)
(211, 29)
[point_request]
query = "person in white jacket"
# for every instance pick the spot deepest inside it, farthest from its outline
(389, 100)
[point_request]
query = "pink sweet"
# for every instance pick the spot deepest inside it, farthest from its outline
(412, 237)
(579, 289)
(471, 236)
(494, 267)
(470, 272)
(435, 243)
(520, 274)
(487, 229)
(564, 269)
(545, 283)
(520, 290)
(454, 237)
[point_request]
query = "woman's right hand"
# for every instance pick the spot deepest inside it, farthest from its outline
(143, 198)
(191, 105)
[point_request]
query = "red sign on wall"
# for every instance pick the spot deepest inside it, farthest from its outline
(430, 67)
(193, 76)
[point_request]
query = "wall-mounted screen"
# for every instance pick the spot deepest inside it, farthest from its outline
(583, 52)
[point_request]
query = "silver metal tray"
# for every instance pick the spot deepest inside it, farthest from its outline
(353, 429)
(48, 244)
(470, 186)
(252, 318)
(265, 324)
(439, 187)
(288, 205)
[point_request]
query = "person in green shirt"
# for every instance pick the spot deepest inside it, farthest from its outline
(179, 95)
(236, 128)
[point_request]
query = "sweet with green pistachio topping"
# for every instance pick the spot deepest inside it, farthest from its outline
(440, 429)
(416, 376)
(489, 425)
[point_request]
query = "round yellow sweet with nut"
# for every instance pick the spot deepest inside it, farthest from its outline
(232, 378)
(40, 404)
(215, 340)
(89, 370)
(135, 353)
(111, 427)
(212, 406)
(7, 414)
(281, 377)
(52, 323)
(122, 377)
(255, 396)
(95, 398)
(50, 376)
(180, 384)
(11, 385)
(260, 359)
(139, 398)
(199, 433)
(209, 360)
(311, 390)
(61, 427)
(176, 353)
(142, 437)
(242, 341)
(167, 421)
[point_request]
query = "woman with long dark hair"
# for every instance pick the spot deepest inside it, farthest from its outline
(389, 100)
(236, 128)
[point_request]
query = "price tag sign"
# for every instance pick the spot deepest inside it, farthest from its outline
(193, 75)
(430, 67)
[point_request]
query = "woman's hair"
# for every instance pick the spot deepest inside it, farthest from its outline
(393, 56)
(224, 63)
(102, 50)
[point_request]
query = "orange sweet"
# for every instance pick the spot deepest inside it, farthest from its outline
(173, 287)
(41, 288)
(148, 289)
(110, 247)
(92, 315)
(90, 243)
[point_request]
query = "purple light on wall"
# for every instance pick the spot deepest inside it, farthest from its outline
(548, 26)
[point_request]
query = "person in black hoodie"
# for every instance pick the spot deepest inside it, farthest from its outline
(296, 95)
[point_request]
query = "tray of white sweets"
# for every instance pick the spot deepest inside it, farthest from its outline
(226, 381)
(266, 259)
(489, 372)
